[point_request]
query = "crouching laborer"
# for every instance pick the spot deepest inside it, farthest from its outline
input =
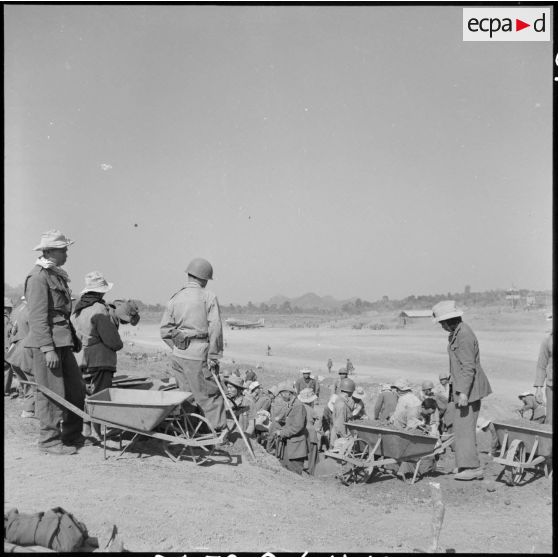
(96, 326)
(191, 326)
(326, 424)
(308, 398)
(408, 404)
(385, 404)
(260, 410)
(469, 385)
(359, 412)
(530, 403)
(293, 431)
(277, 416)
(53, 343)
(21, 359)
(485, 425)
(241, 404)
(342, 411)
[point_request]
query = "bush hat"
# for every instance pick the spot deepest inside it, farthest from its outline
(359, 393)
(235, 381)
(96, 283)
(307, 395)
(445, 310)
(385, 387)
(273, 390)
(306, 371)
(402, 385)
(525, 394)
(427, 384)
(285, 386)
(53, 239)
(253, 385)
(8, 303)
(444, 375)
(127, 311)
(342, 371)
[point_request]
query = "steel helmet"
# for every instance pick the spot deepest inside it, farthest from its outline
(200, 268)
(347, 385)
(427, 384)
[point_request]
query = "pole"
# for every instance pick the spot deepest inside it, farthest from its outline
(229, 408)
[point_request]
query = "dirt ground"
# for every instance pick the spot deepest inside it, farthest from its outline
(235, 505)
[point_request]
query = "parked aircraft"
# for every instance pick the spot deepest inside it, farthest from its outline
(233, 323)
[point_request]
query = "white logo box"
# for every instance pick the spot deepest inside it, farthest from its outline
(499, 24)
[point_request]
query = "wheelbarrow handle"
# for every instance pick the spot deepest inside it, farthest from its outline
(59, 399)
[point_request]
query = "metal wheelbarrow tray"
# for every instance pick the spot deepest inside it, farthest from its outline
(524, 447)
(372, 447)
(134, 408)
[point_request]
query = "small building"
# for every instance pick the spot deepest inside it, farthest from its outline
(407, 316)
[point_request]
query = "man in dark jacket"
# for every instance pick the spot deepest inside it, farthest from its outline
(51, 339)
(468, 386)
(293, 430)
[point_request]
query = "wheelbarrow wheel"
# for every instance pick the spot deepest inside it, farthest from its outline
(187, 427)
(355, 474)
(516, 455)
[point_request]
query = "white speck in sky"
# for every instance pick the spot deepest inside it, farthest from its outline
(305, 109)
(537, 105)
(105, 167)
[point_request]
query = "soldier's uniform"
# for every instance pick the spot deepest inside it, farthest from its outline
(193, 312)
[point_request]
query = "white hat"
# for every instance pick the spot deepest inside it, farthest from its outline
(359, 393)
(525, 394)
(53, 239)
(306, 371)
(444, 375)
(333, 398)
(402, 385)
(483, 422)
(253, 386)
(385, 387)
(549, 317)
(445, 310)
(96, 283)
(8, 303)
(307, 395)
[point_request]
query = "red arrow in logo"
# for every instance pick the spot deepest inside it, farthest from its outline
(519, 25)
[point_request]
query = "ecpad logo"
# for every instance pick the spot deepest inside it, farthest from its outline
(506, 24)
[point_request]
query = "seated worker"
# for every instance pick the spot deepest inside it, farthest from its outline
(342, 410)
(327, 420)
(293, 447)
(359, 412)
(335, 388)
(530, 403)
(308, 398)
(485, 425)
(385, 404)
(427, 392)
(307, 382)
(407, 405)
(241, 404)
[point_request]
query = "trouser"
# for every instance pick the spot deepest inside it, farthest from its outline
(294, 465)
(8, 377)
(195, 376)
(96, 381)
(312, 457)
(548, 393)
(58, 424)
(465, 430)
(29, 392)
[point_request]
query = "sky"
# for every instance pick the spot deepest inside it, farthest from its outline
(351, 151)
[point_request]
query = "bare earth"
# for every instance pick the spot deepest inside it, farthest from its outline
(235, 505)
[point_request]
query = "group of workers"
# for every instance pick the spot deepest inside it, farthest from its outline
(50, 332)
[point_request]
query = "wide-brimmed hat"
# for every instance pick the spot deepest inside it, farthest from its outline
(525, 394)
(402, 385)
(127, 311)
(253, 385)
(359, 393)
(427, 384)
(307, 395)
(273, 390)
(445, 310)
(332, 399)
(8, 303)
(305, 371)
(444, 375)
(53, 239)
(285, 386)
(235, 381)
(96, 283)
(483, 422)
(343, 371)
(385, 387)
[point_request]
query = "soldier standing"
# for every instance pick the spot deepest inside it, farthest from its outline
(329, 365)
(191, 326)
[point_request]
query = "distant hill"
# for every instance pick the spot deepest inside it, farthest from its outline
(307, 301)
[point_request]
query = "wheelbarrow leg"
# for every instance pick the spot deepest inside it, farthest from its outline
(132, 441)
(105, 441)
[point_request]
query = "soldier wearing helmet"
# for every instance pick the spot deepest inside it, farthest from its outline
(342, 409)
(191, 326)
(335, 388)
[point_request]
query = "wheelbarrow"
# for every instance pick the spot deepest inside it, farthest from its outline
(523, 448)
(156, 414)
(371, 449)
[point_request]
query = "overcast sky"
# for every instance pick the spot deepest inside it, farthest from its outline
(348, 151)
